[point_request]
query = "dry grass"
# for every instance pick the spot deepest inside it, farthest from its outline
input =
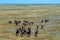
(34, 13)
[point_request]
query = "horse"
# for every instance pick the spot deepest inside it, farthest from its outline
(22, 31)
(9, 22)
(17, 32)
(28, 32)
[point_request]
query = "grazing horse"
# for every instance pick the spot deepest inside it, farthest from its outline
(17, 32)
(28, 32)
(17, 22)
(46, 20)
(22, 31)
(25, 23)
(31, 23)
(36, 33)
(10, 22)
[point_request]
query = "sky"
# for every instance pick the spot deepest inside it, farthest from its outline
(29, 1)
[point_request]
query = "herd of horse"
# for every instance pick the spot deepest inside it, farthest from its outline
(27, 31)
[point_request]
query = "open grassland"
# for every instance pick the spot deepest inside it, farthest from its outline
(33, 13)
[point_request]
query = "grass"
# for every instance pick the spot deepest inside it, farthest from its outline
(33, 13)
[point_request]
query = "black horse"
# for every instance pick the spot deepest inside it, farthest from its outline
(17, 32)
(17, 22)
(9, 22)
(28, 32)
(42, 21)
(46, 20)
(36, 33)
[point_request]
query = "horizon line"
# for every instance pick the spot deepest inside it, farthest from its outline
(28, 4)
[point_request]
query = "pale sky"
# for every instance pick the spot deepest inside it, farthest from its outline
(29, 1)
